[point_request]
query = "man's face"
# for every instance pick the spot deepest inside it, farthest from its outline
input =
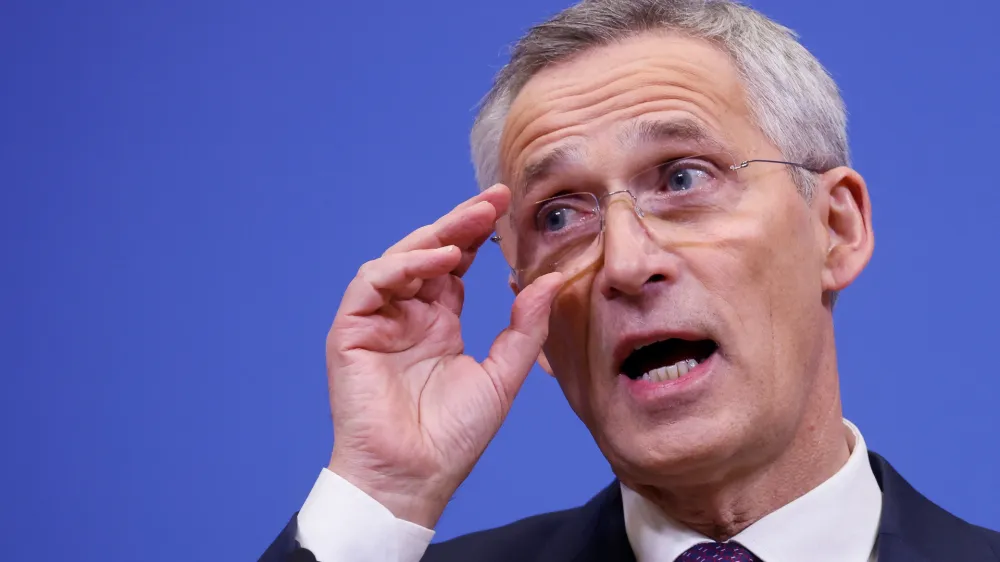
(733, 292)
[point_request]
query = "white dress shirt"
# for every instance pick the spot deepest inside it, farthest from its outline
(835, 522)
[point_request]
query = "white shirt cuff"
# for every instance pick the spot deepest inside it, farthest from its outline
(339, 522)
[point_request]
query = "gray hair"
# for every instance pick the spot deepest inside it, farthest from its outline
(791, 97)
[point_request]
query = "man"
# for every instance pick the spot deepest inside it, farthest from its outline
(670, 182)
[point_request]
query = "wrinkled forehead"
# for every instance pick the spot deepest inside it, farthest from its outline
(612, 103)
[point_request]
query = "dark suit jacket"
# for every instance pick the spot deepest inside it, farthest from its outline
(912, 529)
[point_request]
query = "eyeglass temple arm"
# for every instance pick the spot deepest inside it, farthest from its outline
(746, 163)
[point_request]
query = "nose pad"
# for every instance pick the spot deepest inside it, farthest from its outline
(611, 200)
(623, 226)
(630, 260)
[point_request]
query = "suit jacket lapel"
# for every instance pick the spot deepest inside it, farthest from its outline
(914, 529)
(610, 541)
(597, 534)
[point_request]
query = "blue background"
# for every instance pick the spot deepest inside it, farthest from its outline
(188, 186)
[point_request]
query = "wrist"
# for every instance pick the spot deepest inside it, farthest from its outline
(407, 499)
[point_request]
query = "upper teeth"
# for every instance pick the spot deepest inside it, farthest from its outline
(672, 372)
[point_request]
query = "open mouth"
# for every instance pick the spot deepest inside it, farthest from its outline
(666, 360)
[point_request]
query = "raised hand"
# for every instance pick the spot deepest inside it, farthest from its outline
(411, 412)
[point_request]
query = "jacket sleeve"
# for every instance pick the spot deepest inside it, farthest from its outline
(285, 548)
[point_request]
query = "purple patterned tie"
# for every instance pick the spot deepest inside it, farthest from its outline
(717, 552)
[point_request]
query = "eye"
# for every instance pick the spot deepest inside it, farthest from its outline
(555, 219)
(684, 175)
(565, 212)
(684, 178)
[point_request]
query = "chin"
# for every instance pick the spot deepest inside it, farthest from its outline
(688, 451)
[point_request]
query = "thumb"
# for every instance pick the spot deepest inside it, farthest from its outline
(514, 351)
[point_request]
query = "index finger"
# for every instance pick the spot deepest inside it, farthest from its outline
(467, 226)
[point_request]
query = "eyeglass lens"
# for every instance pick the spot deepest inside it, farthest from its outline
(678, 199)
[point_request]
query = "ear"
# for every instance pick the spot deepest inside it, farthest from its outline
(847, 217)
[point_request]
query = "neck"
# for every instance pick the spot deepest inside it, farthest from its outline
(722, 507)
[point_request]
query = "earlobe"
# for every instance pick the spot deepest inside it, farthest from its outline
(512, 283)
(543, 362)
(848, 223)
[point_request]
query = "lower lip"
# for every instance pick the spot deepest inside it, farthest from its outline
(662, 392)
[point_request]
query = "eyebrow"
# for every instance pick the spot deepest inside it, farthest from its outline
(635, 134)
(543, 168)
(686, 130)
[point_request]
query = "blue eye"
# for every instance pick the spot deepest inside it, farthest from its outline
(684, 179)
(566, 213)
(556, 219)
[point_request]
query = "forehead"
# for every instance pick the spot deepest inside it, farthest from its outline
(582, 106)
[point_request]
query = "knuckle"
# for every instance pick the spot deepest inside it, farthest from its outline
(331, 343)
(417, 234)
(368, 269)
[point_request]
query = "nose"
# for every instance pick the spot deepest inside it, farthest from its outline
(632, 259)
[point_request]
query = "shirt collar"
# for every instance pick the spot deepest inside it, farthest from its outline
(835, 522)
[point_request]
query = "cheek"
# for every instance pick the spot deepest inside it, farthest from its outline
(736, 268)
(793, 271)
(765, 250)
(759, 271)
(567, 345)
